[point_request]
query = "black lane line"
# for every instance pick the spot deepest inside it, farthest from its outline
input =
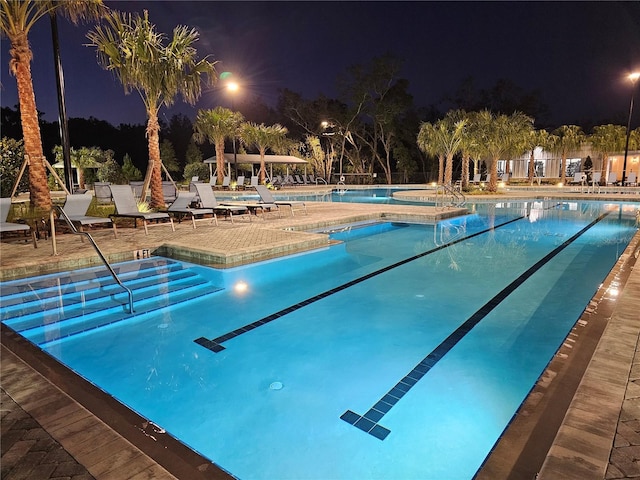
(215, 344)
(369, 421)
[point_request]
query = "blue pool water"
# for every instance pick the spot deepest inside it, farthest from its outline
(357, 195)
(402, 352)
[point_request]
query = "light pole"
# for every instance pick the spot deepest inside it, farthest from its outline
(634, 78)
(233, 88)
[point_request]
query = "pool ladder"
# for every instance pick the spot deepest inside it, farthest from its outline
(75, 231)
(443, 191)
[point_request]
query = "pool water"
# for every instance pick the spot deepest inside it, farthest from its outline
(402, 352)
(347, 195)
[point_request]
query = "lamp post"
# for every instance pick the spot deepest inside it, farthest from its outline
(634, 78)
(233, 88)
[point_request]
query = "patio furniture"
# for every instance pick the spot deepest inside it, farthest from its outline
(208, 200)
(181, 206)
(266, 197)
(6, 227)
(76, 207)
(102, 192)
(126, 207)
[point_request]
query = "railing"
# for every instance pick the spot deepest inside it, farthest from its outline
(444, 191)
(75, 231)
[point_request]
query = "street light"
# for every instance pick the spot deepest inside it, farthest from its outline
(634, 78)
(233, 88)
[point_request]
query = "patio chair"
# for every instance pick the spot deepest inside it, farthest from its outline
(226, 181)
(6, 227)
(612, 179)
(76, 207)
(476, 178)
(487, 178)
(266, 197)
(126, 207)
(169, 191)
(181, 206)
(240, 182)
(208, 200)
(579, 178)
(102, 192)
(136, 186)
(631, 180)
(254, 181)
(505, 178)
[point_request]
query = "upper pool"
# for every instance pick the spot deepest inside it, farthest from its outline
(401, 352)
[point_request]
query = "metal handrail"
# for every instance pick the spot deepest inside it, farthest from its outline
(460, 199)
(75, 231)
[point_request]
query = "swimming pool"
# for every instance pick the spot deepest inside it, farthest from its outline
(402, 352)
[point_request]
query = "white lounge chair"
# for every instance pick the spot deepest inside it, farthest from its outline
(6, 227)
(240, 182)
(181, 206)
(254, 181)
(631, 180)
(266, 197)
(76, 207)
(208, 200)
(127, 207)
(579, 178)
(612, 179)
(476, 178)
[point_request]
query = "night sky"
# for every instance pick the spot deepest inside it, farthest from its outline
(576, 53)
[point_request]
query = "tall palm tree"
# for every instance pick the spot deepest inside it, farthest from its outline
(17, 17)
(520, 131)
(444, 138)
(262, 137)
(130, 47)
(536, 138)
(564, 140)
(216, 126)
(608, 139)
(428, 142)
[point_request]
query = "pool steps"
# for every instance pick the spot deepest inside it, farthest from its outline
(77, 302)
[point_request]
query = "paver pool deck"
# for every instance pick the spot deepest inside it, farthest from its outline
(581, 420)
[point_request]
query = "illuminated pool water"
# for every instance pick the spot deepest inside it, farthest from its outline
(432, 334)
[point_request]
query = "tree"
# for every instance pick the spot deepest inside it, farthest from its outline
(536, 138)
(564, 140)
(83, 158)
(499, 136)
(216, 126)
(262, 137)
(428, 142)
(443, 139)
(130, 47)
(168, 156)
(129, 170)
(608, 139)
(11, 158)
(17, 17)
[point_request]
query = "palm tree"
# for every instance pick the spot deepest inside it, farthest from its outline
(428, 142)
(536, 138)
(564, 140)
(130, 47)
(444, 138)
(262, 137)
(17, 17)
(607, 139)
(216, 126)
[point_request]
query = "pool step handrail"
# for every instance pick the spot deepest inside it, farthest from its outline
(458, 198)
(106, 263)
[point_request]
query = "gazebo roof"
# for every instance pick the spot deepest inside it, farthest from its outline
(255, 159)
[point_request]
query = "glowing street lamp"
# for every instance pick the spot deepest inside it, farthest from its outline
(233, 87)
(634, 78)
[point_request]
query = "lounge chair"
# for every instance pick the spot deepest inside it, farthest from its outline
(487, 178)
(181, 206)
(612, 179)
(579, 178)
(631, 180)
(102, 192)
(76, 207)
(208, 200)
(226, 181)
(255, 181)
(240, 182)
(266, 197)
(127, 207)
(169, 191)
(505, 178)
(136, 186)
(476, 178)
(5, 227)
(595, 180)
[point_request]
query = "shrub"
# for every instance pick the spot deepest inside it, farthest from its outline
(11, 160)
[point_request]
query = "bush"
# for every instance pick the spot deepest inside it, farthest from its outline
(196, 169)
(11, 160)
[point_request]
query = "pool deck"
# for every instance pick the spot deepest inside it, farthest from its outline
(581, 420)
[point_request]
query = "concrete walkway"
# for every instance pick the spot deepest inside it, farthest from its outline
(39, 401)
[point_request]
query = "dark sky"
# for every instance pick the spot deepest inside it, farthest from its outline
(576, 53)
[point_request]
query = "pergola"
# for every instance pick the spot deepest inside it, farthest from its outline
(254, 159)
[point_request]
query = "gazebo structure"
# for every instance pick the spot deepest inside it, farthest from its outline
(254, 159)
